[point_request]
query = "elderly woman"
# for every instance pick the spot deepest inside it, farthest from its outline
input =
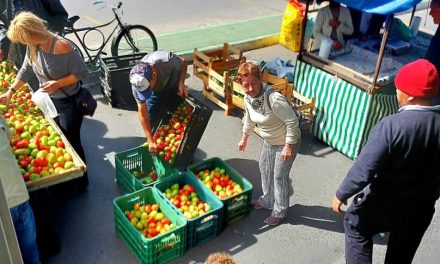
(59, 69)
(279, 127)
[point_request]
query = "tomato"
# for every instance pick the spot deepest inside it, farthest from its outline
(60, 144)
(23, 163)
(22, 143)
(191, 189)
(26, 176)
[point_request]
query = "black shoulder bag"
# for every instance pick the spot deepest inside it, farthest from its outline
(83, 99)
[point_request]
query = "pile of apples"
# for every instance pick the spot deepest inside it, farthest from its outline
(144, 176)
(219, 182)
(168, 137)
(37, 146)
(149, 220)
(186, 200)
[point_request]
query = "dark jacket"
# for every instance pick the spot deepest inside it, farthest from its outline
(400, 164)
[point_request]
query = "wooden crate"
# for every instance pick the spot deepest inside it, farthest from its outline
(305, 105)
(75, 172)
(281, 85)
(214, 68)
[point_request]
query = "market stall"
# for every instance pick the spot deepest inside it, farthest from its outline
(354, 87)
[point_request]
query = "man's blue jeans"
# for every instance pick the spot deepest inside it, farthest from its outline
(24, 224)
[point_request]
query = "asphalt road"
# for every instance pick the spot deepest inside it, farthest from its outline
(311, 234)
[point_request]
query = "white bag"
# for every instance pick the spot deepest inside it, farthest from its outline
(43, 101)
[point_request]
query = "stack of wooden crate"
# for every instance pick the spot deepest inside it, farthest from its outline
(218, 71)
(215, 68)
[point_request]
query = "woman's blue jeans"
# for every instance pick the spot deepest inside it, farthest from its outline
(24, 224)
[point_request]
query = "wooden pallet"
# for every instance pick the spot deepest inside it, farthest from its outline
(214, 69)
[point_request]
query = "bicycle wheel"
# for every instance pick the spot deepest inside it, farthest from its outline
(136, 39)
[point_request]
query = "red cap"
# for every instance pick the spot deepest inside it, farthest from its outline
(418, 79)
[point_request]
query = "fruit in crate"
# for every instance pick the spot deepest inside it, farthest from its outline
(186, 200)
(169, 136)
(144, 176)
(219, 182)
(37, 146)
(149, 220)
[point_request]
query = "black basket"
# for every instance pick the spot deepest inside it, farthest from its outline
(115, 83)
(193, 133)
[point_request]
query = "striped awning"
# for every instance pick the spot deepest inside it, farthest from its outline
(344, 113)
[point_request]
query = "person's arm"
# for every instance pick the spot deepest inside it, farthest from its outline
(53, 85)
(144, 118)
(57, 15)
(346, 24)
(248, 127)
(183, 90)
(283, 110)
(4, 98)
(76, 67)
(373, 156)
(318, 26)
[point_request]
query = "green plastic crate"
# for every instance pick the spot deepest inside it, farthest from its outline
(205, 227)
(194, 129)
(235, 207)
(138, 158)
(160, 249)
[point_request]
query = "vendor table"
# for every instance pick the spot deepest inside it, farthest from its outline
(344, 113)
(347, 107)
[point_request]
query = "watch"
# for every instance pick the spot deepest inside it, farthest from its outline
(12, 89)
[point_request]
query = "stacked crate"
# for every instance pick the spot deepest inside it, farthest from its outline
(215, 68)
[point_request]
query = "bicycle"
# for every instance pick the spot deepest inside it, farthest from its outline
(130, 39)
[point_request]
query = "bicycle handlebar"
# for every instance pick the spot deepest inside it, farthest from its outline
(111, 6)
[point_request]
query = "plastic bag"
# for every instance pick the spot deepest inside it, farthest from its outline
(43, 101)
(291, 29)
(280, 68)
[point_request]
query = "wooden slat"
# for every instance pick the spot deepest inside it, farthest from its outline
(339, 70)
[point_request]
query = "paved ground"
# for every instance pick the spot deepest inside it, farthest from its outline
(311, 234)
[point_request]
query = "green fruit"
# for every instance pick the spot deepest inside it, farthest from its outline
(175, 186)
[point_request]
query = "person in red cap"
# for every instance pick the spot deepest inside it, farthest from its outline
(395, 180)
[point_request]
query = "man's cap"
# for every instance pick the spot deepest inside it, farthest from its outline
(418, 79)
(140, 77)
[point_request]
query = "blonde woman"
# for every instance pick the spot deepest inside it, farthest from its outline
(59, 69)
(279, 127)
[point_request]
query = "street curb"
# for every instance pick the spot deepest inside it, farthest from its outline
(244, 45)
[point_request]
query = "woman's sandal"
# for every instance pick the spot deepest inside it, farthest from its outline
(273, 221)
(256, 205)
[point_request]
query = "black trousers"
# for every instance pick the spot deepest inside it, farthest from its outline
(364, 219)
(70, 120)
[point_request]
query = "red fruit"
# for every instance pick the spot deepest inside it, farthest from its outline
(191, 189)
(130, 216)
(22, 143)
(60, 144)
(23, 163)
(26, 176)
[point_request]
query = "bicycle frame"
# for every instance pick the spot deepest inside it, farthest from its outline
(94, 59)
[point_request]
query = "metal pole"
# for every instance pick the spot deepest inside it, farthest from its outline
(382, 49)
(303, 30)
(412, 15)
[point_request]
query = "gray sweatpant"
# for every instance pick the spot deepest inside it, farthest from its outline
(275, 178)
